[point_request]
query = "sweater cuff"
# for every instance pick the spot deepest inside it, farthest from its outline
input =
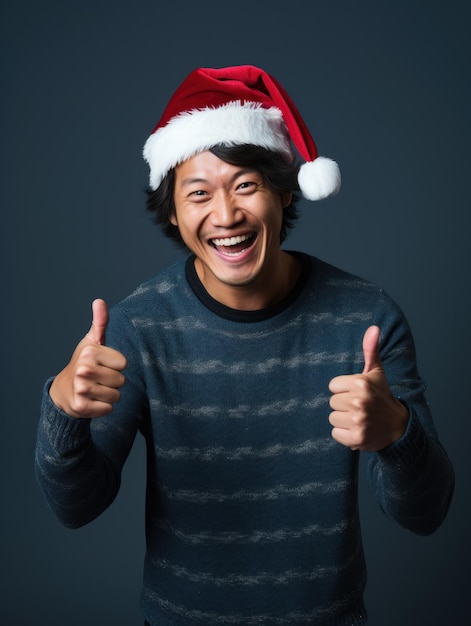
(63, 432)
(408, 450)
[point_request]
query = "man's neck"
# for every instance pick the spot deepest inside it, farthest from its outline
(262, 293)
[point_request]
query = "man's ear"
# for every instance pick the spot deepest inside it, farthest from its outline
(173, 219)
(286, 198)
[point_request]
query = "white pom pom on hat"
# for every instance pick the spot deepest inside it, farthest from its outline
(234, 106)
(319, 179)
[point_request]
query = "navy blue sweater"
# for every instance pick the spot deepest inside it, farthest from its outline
(251, 506)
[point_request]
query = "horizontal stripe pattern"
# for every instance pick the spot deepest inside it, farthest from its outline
(241, 453)
(240, 411)
(257, 536)
(205, 367)
(276, 492)
(356, 612)
(259, 578)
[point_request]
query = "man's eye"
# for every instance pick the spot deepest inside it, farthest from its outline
(198, 192)
(247, 185)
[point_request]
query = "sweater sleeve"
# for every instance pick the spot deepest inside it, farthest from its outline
(413, 478)
(79, 462)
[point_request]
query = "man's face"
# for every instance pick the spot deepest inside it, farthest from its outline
(231, 220)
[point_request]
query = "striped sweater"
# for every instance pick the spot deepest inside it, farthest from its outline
(251, 506)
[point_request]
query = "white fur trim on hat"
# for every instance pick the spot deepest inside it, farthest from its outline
(197, 130)
(319, 179)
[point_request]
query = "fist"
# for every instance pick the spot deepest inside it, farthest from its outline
(89, 385)
(365, 413)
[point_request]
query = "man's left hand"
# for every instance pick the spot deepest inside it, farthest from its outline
(365, 414)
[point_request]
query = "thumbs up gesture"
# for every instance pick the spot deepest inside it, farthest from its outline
(365, 414)
(89, 385)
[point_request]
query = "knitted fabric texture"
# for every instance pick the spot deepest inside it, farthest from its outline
(251, 506)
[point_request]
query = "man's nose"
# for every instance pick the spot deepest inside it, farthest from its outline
(226, 211)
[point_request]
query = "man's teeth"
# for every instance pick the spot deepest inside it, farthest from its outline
(231, 241)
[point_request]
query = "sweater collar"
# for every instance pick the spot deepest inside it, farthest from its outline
(237, 315)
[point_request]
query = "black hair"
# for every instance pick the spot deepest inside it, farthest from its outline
(277, 173)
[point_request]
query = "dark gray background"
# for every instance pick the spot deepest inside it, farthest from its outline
(385, 90)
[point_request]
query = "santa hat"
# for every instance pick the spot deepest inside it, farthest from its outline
(234, 106)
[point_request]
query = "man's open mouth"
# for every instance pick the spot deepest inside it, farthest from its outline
(234, 246)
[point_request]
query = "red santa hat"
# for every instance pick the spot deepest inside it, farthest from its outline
(234, 106)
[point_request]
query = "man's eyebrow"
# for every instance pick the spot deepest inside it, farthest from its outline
(190, 180)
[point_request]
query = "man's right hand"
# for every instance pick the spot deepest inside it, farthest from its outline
(89, 385)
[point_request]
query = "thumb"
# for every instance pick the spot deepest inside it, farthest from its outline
(99, 321)
(371, 354)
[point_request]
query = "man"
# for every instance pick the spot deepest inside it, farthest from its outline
(255, 374)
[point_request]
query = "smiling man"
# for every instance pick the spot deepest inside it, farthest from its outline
(231, 220)
(256, 376)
